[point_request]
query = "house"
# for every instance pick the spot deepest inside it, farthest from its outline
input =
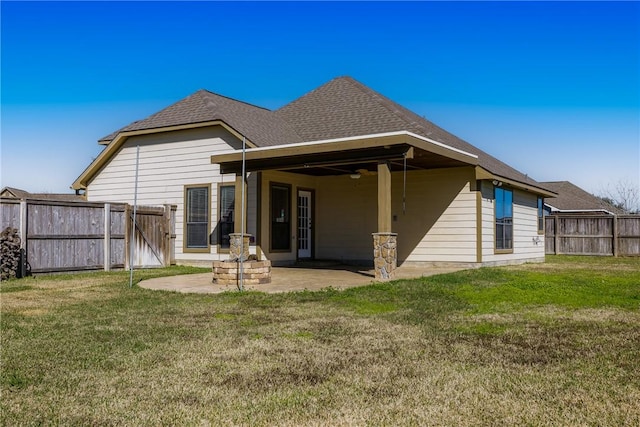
(572, 199)
(16, 193)
(329, 176)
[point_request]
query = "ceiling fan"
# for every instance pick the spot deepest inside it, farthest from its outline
(366, 172)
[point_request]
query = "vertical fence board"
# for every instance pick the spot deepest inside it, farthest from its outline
(118, 236)
(629, 235)
(10, 214)
(550, 233)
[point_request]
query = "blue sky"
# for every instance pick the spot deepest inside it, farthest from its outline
(551, 88)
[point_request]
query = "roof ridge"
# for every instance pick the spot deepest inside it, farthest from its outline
(230, 99)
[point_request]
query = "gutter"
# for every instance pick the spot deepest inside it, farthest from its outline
(483, 174)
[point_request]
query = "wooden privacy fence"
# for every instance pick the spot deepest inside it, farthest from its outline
(73, 236)
(617, 235)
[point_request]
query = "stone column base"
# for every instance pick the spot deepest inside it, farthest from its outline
(385, 255)
(239, 246)
(227, 273)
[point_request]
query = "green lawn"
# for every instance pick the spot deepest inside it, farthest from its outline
(541, 344)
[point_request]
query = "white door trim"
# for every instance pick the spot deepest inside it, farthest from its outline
(304, 224)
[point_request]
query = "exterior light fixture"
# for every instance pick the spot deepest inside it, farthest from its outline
(355, 176)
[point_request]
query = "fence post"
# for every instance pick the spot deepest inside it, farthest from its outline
(107, 237)
(172, 235)
(614, 241)
(556, 236)
(127, 236)
(24, 241)
(166, 238)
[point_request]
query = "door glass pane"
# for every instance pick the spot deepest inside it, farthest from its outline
(227, 205)
(280, 218)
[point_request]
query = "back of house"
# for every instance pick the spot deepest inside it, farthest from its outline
(335, 174)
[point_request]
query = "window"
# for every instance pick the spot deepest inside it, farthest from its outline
(540, 215)
(504, 219)
(280, 217)
(227, 200)
(196, 218)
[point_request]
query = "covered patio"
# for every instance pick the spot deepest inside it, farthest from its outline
(289, 279)
(375, 156)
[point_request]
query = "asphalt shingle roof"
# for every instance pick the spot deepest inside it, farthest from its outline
(573, 198)
(341, 108)
(258, 124)
(345, 107)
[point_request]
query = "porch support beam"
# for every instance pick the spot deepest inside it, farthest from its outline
(384, 197)
(385, 254)
(237, 208)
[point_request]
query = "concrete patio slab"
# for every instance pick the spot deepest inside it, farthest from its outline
(288, 279)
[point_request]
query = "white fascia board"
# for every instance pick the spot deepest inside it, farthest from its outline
(353, 138)
(440, 144)
(554, 209)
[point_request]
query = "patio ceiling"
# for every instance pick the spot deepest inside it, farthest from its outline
(348, 155)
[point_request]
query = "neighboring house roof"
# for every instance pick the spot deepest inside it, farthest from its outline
(572, 198)
(341, 108)
(16, 193)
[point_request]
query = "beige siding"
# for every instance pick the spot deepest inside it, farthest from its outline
(169, 161)
(346, 216)
(439, 224)
(440, 220)
(527, 243)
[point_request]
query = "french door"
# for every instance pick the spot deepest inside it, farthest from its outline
(305, 220)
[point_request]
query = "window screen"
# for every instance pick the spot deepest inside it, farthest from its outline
(197, 217)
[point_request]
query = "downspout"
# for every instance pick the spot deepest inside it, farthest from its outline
(133, 227)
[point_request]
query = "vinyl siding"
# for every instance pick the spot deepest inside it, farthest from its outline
(440, 220)
(527, 243)
(347, 214)
(168, 162)
(439, 224)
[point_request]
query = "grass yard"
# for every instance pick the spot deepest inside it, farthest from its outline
(541, 344)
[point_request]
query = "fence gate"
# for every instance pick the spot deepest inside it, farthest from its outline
(153, 238)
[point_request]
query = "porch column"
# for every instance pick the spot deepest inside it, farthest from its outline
(385, 255)
(239, 243)
(384, 198)
(237, 208)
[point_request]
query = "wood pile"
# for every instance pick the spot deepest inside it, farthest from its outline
(10, 253)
